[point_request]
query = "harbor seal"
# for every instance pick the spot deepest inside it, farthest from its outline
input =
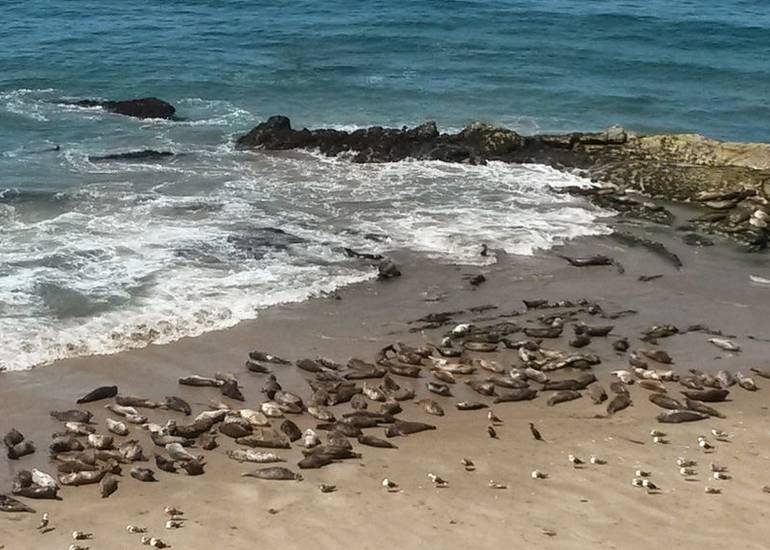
(562, 397)
(678, 416)
(275, 473)
(618, 403)
(665, 401)
(710, 395)
(522, 394)
(103, 392)
(431, 407)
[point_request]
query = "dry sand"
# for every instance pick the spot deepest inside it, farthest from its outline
(595, 506)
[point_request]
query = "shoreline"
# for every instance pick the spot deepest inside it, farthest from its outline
(592, 505)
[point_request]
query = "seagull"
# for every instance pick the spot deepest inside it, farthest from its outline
(687, 472)
(642, 473)
(685, 462)
(172, 511)
(713, 491)
(135, 529)
(720, 435)
(43, 522)
(326, 488)
(495, 485)
(389, 484)
(468, 463)
(721, 475)
(493, 418)
(437, 481)
(717, 467)
(703, 444)
(575, 460)
(492, 433)
(174, 524)
(637, 482)
(657, 433)
(537, 474)
(535, 432)
(597, 460)
(649, 485)
(80, 535)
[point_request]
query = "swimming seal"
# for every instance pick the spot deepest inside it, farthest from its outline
(103, 392)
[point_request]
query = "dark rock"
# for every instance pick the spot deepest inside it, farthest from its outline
(147, 107)
(145, 154)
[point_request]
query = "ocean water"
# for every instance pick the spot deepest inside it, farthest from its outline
(96, 257)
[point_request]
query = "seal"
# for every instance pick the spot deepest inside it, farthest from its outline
(710, 395)
(107, 486)
(373, 441)
(103, 392)
(143, 474)
(618, 403)
(10, 504)
(73, 415)
(470, 406)
(678, 416)
(562, 397)
(698, 406)
(439, 389)
(665, 401)
(401, 427)
(431, 407)
(597, 394)
(522, 394)
(275, 473)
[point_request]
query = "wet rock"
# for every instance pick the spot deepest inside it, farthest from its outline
(147, 107)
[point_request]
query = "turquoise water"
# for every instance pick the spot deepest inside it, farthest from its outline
(97, 257)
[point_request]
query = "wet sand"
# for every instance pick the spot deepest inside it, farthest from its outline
(595, 505)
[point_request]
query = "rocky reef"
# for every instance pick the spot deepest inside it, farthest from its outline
(730, 180)
(146, 107)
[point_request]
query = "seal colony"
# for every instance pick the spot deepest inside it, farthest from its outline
(465, 364)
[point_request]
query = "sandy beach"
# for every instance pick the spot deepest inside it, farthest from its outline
(594, 505)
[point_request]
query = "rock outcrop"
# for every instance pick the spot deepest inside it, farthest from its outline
(730, 180)
(146, 107)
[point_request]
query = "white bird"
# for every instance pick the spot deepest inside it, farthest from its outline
(659, 439)
(80, 535)
(172, 511)
(43, 522)
(637, 482)
(537, 474)
(157, 543)
(468, 463)
(77, 547)
(713, 491)
(437, 481)
(721, 475)
(649, 485)
(389, 484)
(496, 485)
(704, 444)
(135, 529)
(596, 460)
(461, 329)
(657, 433)
(574, 460)
(685, 462)
(174, 524)
(717, 467)
(642, 473)
(687, 472)
(720, 435)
